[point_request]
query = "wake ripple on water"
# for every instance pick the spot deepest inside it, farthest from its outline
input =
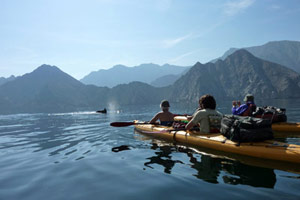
(80, 156)
(61, 135)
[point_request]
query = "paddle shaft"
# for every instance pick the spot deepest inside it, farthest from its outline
(123, 124)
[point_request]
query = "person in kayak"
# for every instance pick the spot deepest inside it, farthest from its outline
(165, 117)
(245, 109)
(206, 116)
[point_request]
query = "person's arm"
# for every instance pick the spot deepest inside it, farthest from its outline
(189, 125)
(239, 110)
(190, 117)
(154, 119)
(234, 107)
(194, 121)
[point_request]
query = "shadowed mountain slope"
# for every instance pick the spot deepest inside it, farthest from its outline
(239, 74)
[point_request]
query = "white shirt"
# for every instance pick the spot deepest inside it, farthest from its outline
(202, 117)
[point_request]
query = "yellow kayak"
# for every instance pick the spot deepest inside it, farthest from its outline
(286, 127)
(269, 149)
(277, 127)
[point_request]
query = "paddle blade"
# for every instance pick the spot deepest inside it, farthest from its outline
(121, 124)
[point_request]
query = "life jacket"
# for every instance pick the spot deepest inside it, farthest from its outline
(250, 110)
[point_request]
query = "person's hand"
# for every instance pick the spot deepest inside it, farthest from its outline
(234, 103)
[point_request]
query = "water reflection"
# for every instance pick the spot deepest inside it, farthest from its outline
(211, 169)
(249, 175)
(120, 148)
(162, 157)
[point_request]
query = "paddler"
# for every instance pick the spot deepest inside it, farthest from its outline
(206, 116)
(165, 117)
(245, 109)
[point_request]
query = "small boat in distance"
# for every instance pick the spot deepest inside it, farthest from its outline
(104, 111)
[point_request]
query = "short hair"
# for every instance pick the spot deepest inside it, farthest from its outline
(164, 103)
(207, 101)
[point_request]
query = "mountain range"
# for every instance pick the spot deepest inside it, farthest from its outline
(286, 53)
(48, 89)
(147, 73)
(4, 80)
(239, 74)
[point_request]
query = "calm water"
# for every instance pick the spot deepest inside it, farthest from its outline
(79, 156)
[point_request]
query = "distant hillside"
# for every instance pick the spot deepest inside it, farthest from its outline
(137, 93)
(4, 80)
(168, 80)
(48, 89)
(121, 74)
(165, 80)
(239, 74)
(286, 53)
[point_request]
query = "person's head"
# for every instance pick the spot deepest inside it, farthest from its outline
(249, 97)
(164, 105)
(207, 101)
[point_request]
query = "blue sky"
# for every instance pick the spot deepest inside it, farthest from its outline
(80, 36)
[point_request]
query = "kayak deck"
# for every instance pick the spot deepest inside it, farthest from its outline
(278, 127)
(286, 126)
(267, 149)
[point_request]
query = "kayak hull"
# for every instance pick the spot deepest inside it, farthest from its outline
(269, 149)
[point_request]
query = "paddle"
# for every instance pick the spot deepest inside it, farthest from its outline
(122, 124)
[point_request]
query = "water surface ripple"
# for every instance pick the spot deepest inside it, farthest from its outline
(79, 156)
